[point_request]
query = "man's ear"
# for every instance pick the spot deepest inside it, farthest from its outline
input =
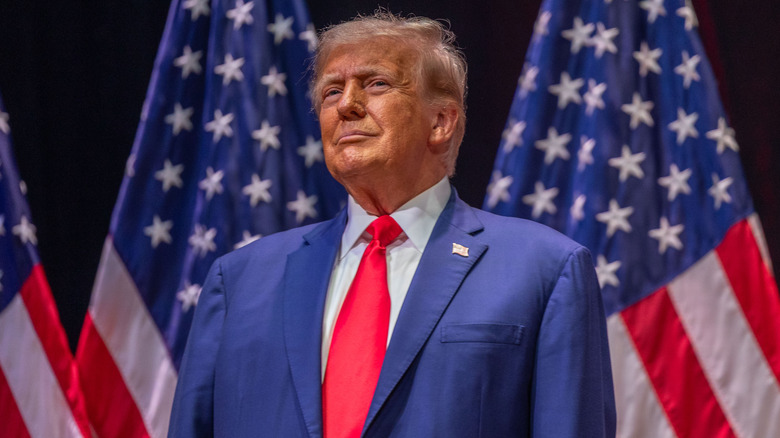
(443, 128)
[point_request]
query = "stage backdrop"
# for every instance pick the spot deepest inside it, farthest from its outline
(74, 76)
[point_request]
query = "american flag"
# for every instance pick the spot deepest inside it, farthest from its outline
(617, 138)
(227, 151)
(39, 388)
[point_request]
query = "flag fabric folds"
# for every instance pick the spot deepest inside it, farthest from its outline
(227, 151)
(39, 388)
(617, 138)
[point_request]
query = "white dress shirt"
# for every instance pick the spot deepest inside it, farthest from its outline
(417, 219)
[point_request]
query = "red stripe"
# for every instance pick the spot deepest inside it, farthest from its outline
(673, 368)
(40, 305)
(755, 289)
(12, 422)
(110, 405)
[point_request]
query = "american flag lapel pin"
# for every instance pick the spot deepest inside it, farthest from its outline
(460, 250)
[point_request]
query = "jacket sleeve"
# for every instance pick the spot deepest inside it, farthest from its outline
(572, 394)
(193, 404)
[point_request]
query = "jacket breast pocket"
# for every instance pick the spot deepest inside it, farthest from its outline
(482, 333)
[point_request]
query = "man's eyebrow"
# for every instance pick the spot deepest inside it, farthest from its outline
(360, 72)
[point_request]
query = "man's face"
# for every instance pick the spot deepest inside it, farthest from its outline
(375, 124)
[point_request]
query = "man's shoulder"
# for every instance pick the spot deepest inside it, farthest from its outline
(513, 230)
(278, 244)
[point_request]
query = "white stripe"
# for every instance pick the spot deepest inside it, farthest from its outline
(132, 338)
(639, 414)
(37, 392)
(758, 234)
(727, 350)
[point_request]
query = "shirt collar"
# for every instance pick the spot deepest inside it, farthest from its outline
(416, 218)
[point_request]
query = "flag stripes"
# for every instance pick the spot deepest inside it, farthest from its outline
(102, 381)
(710, 321)
(127, 336)
(673, 368)
(639, 413)
(727, 351)
(9, 411)
(755, 289)
(43, 406)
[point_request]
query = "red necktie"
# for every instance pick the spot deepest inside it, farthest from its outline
(359, 339)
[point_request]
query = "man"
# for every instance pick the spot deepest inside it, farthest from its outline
(438, 320)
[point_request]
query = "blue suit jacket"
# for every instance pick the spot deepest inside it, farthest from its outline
(508, 341)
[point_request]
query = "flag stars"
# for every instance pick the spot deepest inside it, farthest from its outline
(602, 41)
(654, 8)
(541, 200)
(189, 296)
(498, 189)
(197, 8)
(4, 127)
(169, 175)
(202, 240)
(554, 146)
(567, 90)
(311, 151)
(212, 183)
(687, 13)
(723, 136)
(667, 235)
(180, 118)
(684, 126)
(676, 182)
(648, 59)
(628, 164)
(247, 238)
(275, 82)
(159, 231)
(541, 27)
(513, 136)
(606, 272)
(719, 190)
(25, 231)
(579, 35)
(527, 79)
(281, 28)
(267, 135)
(130, 166)
(593, 97)
(577, 208)
(616, 218)
(257, 190)
(220, 125)
(303, 206)
(241, 14)
(688, 69)
(230, 70)
(585, 153)
(310, 36)
(189, 62)
(639, 111)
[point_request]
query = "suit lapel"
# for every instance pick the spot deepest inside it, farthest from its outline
(435, 282)
(306, 278)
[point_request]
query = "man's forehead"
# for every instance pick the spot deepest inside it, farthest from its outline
(381, 56)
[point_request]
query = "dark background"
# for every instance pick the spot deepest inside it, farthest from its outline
(73, 76)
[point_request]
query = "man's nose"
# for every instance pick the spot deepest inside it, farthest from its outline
(352, 103)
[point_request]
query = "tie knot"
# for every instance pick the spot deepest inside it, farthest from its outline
(384, 229)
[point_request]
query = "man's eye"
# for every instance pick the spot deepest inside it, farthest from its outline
(331, 92)
(379, 83)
